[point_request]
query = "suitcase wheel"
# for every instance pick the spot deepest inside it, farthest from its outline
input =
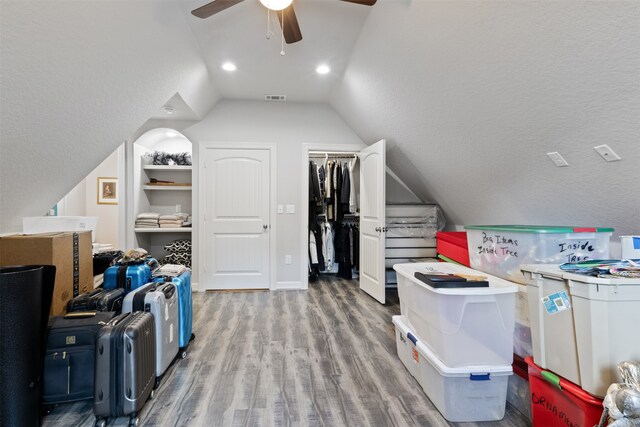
(47, 409)
(134, 421)
(101, 422)
(152, 395)
(183, 355)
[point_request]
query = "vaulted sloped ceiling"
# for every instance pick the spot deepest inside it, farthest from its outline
(78, 78)
(471, 95)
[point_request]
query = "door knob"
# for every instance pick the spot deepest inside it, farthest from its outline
(265, 226)
(378, 229)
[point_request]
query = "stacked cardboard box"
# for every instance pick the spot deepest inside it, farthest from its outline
(69, 252)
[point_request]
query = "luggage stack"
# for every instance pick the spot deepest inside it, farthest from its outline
(129, 352)
(457, 340)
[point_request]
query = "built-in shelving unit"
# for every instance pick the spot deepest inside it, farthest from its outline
(162, 198)
(163, 230)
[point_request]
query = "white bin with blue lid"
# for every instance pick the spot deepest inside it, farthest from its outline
(465, 394)
(462, 326)
(501, 249)
(583, 326)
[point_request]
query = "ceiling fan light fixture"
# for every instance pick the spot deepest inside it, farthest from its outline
(323, 69)
(276, 4)
(229, 66)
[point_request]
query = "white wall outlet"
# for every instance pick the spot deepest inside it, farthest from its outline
(291, 209)
(287, 259)
(178, 208)
(607, 153)
(557, 159)
(280, 209)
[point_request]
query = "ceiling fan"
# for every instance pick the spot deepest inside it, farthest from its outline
(287, 16)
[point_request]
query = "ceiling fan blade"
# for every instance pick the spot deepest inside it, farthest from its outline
(363, 2)
(290, 27)
(214, 7)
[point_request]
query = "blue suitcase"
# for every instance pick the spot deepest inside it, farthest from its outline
(127, 277)
(185, 310)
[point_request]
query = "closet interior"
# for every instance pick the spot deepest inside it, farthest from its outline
(334, 214)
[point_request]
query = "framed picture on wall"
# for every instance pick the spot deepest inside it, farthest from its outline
(107, 191)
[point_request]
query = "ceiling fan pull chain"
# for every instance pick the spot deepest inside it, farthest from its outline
(282, 36)
(268, 24)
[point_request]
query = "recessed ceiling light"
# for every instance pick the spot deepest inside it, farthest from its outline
(229, 66)
(171, 134)
(168, 109)
(323, 69)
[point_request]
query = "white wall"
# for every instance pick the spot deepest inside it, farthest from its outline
(289, 125)
(471, 95)
(78, 78)
(108, 228)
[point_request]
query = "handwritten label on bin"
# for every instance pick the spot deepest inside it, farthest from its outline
(506, 247)
(556, 303)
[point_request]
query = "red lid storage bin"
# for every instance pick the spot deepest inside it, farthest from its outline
(453, 244)
(556, 402)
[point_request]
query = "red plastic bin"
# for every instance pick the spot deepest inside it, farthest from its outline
(453, 244)
(556, 402)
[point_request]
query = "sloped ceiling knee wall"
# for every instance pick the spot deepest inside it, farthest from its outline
(78, 78)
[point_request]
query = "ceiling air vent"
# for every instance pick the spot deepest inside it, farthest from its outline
(275, 97)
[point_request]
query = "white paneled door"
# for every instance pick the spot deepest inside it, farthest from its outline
(236, 218)
(372, 220)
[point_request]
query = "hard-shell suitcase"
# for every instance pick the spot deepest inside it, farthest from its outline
(161, 300)
(125, 367)
(127, 277)
(185, 309)
(98, 300)
(70, 354)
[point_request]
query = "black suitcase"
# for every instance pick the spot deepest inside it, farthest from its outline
(98, 300)
(70, 355)
(125, 371)
(81, 302)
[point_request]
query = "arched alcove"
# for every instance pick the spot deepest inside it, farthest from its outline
(162, 173)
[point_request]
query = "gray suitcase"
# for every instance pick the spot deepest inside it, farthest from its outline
(125, 367)
(161, 300)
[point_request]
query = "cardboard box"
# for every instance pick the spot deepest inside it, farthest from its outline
(54, 249)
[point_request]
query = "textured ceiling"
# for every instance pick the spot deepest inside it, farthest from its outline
(470, 95)
(238, 34)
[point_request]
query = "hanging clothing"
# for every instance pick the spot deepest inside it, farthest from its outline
(345, 191)
(353, 205)
(314, 184)
(342, 247)
(337, 211)
(327, 246)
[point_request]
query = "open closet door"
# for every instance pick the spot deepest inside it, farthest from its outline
(372, 220)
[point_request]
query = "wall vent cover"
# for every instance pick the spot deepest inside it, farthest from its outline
(275, 97)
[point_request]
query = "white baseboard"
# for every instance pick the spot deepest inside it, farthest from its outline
(288, 285)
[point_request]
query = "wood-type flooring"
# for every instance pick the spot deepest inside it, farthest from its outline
(322, 357)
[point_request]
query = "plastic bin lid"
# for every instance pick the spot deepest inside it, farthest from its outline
(562, 384)
(444, 370)
(540, 229)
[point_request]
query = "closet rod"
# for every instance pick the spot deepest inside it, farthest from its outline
(344, 153)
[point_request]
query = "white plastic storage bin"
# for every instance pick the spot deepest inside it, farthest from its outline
(465, 326)
(468, 394)
(501, 249)
(630, 247)
(53, 224)
(584, 333)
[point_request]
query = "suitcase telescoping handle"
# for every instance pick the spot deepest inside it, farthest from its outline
(118, 318)
(169, 289)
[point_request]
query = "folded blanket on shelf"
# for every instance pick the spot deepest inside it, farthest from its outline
(170, 217)
(156, 225)
(148, 215)
(170, 225)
